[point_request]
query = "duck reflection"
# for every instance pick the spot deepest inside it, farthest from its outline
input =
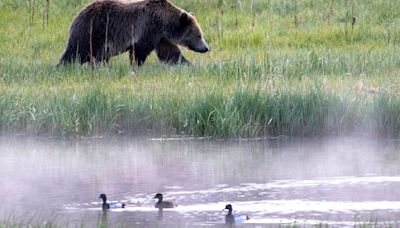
(160, 214)
(103, 223)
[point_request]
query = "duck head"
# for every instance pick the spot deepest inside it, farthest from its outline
(158, 196)
(103, 197)
(229, 208)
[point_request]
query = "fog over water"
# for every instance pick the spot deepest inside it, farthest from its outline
(308, 181)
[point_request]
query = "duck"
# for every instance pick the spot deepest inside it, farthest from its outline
(163, 204)
(106, 205)
(231, 218)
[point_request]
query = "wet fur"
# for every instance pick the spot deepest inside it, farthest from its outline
(109, 27)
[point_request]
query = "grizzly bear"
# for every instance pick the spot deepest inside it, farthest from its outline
(107, 28)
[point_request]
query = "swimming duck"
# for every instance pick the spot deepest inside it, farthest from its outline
(231, 218)
(163, 204)
(106, 205)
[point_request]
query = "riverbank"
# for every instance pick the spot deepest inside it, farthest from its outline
(276, 68)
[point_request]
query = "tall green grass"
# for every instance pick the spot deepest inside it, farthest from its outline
(276, 67)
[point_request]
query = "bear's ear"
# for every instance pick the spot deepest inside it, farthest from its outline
(184, 19)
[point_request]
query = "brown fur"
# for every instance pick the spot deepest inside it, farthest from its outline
(110, 27)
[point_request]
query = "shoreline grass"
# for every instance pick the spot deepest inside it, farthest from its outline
(104, 224)
(295, 68)
(245, 110)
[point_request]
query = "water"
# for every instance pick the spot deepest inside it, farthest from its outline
(336, 181)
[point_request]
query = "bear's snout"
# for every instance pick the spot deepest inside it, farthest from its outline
(204, 50)
(201, 47)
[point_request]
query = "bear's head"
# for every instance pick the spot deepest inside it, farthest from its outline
(189, 34)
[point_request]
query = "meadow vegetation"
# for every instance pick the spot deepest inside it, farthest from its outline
(277, 67)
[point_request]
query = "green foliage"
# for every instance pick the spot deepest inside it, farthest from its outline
(294, 67)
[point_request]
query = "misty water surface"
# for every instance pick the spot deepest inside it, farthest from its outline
(339, 181)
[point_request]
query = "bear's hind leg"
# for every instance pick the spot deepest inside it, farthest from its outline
(169, 53)
(67, 57)
(73, 54)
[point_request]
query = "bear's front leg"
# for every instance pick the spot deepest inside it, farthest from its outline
(169, 53)
(140, 51)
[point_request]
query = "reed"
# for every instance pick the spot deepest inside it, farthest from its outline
(104, 224)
